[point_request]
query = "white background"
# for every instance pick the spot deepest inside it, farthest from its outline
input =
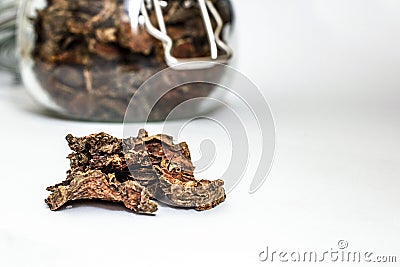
(331, 73)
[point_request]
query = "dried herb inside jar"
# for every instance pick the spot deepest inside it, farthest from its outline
(90, 60)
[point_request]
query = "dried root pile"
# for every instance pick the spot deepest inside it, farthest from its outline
(134, 171)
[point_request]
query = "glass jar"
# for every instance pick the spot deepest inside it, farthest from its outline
(8, 17)
(86, 58)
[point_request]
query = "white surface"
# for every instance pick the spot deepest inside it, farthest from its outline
(330, 70)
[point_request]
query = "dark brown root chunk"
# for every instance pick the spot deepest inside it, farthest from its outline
(176, 180)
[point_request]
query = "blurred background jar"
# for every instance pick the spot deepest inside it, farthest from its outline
(86, 58)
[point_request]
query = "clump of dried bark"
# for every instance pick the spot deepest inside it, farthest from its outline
(134, 171)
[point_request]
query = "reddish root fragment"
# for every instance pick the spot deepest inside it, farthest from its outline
(97, 185)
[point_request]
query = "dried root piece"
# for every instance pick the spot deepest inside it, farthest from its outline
(133, 171)
(97, 185)
(200, 195)
(175, 169)
(95, 143)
